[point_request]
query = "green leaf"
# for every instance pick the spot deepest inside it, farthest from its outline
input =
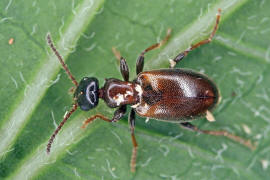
(34, 89)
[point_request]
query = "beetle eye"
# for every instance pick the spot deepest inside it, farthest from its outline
(87, 93)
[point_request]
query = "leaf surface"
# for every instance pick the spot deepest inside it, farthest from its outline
(34, 89)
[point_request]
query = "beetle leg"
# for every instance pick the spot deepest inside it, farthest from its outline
(233, 137)
(92, 118)
(124, 69)
(131, 120)
(123, 64)
(118, 114)
(180, 56)
(140, 60)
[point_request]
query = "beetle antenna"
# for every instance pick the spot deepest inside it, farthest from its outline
(74, 107)
(49, 40)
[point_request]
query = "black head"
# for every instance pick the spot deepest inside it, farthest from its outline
(86, 93)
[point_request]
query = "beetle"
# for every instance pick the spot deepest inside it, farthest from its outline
(171, 95)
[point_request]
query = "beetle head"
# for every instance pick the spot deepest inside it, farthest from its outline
(86, 94)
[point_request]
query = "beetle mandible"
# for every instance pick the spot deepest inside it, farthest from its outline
(172, 95)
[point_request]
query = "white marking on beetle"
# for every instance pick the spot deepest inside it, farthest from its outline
(138, 88)
(128, 93)
(119, 98)
(135, 105)
(265, 164)
(147, 120)
(143, 109)
(209, 116)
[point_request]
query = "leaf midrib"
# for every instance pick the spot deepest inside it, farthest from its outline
(47, 71)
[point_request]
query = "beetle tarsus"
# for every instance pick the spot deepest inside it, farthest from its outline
(181, 56)
(119, 113)
(92, 118)
(233, 137)
(140, 60)
(134, 142)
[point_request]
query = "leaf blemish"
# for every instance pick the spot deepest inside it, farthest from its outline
(110, 169)
(265, 164)
(147, 162)
(117, 137)
(267, 55)
(91, 47)
(89, 36)
(240, 72)
(190, 153)
(34, 29)
(14, 81)
(8, 5)
(263, 95)
(54, 122)
(76, 172)
(220, 151)
(164, 149)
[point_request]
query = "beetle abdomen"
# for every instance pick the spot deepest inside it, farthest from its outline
(175, 94)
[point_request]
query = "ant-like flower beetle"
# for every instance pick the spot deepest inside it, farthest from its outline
(172, 95)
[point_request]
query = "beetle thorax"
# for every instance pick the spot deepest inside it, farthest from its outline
(117, 93)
